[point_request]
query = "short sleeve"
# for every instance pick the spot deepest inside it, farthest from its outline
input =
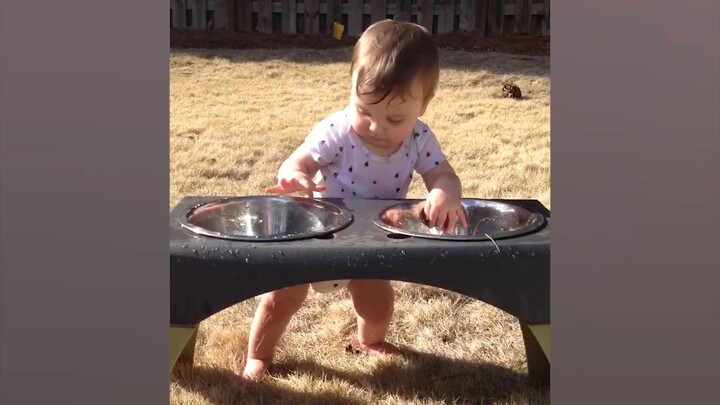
(429, 152)
(324, 141)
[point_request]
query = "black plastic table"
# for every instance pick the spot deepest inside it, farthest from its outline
(208, 275)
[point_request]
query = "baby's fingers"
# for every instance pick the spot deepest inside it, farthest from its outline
(452, 220)
(429, 213)
(462, 216)
(276, 189)
(309, 187)
(436, 217)
(283, 187)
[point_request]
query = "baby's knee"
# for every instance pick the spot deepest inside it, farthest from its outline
(286, 299)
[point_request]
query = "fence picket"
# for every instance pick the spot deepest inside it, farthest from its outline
(483, 17)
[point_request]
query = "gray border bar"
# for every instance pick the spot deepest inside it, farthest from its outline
(83, 218)
(635, 166)
(83, 276)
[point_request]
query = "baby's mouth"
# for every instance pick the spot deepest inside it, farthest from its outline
(376, 141)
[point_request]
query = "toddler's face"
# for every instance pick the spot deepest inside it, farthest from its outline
(387, 124)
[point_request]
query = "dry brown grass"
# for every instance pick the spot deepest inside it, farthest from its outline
(236, 114)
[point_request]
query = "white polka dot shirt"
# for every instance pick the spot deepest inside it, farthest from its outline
(349, 169)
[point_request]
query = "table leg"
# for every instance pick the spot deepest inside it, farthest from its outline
(537, 349)
(182, 345)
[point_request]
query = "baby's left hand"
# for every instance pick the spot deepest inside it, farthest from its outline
(443, 210)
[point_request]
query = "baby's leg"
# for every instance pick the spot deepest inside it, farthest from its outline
(374, 304)
(271, 318)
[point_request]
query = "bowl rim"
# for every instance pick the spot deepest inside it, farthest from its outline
(345, 218)
(535, 219)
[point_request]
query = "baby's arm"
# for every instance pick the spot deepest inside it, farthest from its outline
(443, 177)
(442, 206)
(296, 173)
(301, 163)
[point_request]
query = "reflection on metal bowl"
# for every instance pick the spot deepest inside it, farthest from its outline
(486, 220)
(266, 218)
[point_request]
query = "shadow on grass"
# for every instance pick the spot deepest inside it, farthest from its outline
(224, 387)
(424, 376)
(516, 44)
(496, 63)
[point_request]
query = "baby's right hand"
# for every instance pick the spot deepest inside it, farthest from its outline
(295, 182)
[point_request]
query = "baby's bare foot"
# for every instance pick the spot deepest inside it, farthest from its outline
(378, 349)
(255, 369)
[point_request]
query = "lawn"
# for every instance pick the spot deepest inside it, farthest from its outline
(236, 114)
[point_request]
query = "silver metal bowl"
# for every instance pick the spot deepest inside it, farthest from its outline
(266, 218)
(486, 219)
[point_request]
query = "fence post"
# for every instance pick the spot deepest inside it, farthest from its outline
(496, 16)
(446, 16)
(426, 9)
(355, 17)
(523, 16)
(289, 17)
(546, 18)
(243, 15)
(466, 10)
(200, 14)
(334, 13)
(403, 10)
(179, 14)
(264, 16)
(481, 17)
(312, 16)
(378, 10)
(219, 20)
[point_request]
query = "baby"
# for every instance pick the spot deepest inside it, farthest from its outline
(368, 150)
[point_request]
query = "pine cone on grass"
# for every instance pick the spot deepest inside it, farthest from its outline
(511, 90)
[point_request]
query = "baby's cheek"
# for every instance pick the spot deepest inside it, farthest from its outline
(360, 125)
(400, 133)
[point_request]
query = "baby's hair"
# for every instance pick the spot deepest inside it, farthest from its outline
(390, 55)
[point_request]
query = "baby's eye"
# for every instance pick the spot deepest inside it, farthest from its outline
(395, 122)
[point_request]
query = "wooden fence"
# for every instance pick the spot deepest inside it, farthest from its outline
(483, 17)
